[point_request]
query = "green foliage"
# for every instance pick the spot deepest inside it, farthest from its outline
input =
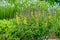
(53, 1)
(29, 27)
(57, 26)
(35, 26)
(7, 11)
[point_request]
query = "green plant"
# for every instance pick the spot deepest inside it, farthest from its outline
(35, 26)
(7, 11)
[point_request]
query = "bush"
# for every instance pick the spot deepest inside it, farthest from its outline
(26, 27)
(23, 29)
(11, 7)
(30, 27)
(57, 26)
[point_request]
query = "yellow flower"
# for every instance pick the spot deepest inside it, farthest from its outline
(49, 16)
(17, 18)
(25, 21)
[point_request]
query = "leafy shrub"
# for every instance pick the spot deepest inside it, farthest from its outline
(21, 6)
(22, 29)
(33, 27)
(30, 27)
(57, 26)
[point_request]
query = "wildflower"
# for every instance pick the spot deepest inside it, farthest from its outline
(17, 18)
(25, 21)
(49, 16)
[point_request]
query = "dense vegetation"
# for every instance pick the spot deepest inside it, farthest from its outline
(29, 20)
